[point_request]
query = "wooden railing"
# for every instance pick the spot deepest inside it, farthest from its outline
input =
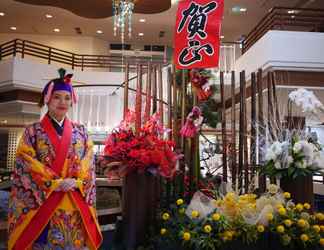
(280, 18)
(50, 54)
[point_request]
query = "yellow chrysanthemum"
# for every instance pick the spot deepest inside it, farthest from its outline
(319, 216)
(165, 216)
(207, 229)
(282, 211)
(307, 206)
(194, 214)
(216, 217)
(228, 235)
(182, 210)
(321, 241)
(301, 223)
(218, 203)
(288, 223)
(287, 195)
(179, 202)
(278, 206)
(322, 228)
(186, 236)
(269, 216)
(317, 228)
(299, 207)
(280, 229)
(163, 231)
(304, 237)
(260, 229)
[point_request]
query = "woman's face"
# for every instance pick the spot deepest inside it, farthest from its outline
(59, 104)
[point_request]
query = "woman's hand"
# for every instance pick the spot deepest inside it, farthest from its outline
(66, 185)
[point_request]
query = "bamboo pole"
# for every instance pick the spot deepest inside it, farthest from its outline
(160, 93)
(169, 99)
(174, 107)
(126, 80)
(183, 106)
(169, 188)
(270, 107)
(147, 110)
(245, 146)
(224, 139)
(261, 128)
(138, 100)
(233, 125)
(241, 136)
(274, 92)
(154, 90)
(253, 126)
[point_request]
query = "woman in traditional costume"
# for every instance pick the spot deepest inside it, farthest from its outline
(53, 192)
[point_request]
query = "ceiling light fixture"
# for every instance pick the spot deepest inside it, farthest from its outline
(56, 30)
(48, 16)
(142, 20)
(123, 12)
(141, 34)
(99, 31)
(13, 28)
(2, 14)
(238, 9)
(291, 12)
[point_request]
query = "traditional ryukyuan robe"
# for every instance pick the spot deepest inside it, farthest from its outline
(39, 216)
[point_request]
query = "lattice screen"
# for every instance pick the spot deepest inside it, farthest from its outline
(13, 139)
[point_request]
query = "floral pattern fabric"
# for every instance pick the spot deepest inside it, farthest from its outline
(65, 232)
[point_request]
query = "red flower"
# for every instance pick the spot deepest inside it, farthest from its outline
(143, 151)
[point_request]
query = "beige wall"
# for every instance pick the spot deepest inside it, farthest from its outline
(74, 44)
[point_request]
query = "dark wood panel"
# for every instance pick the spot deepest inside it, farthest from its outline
(21, 95)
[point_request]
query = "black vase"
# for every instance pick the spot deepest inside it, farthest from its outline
(300, 188)
(140, 192)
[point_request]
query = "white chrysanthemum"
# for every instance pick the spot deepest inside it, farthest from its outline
(318, 160)
(306, 100)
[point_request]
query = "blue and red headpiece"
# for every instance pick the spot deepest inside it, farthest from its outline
(62, 83)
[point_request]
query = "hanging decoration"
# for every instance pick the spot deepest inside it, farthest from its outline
(205, 91)
(197, 33)
(193, 123)
(123, 12)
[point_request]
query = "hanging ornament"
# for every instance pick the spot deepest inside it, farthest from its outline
(122, 14)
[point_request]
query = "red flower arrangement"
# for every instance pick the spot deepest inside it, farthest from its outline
(144, 150)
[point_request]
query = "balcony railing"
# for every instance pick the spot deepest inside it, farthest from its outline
(50, 54)
(292, 19)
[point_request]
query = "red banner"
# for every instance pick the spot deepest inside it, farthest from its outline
(197, 33)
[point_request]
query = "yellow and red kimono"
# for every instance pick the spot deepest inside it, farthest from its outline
(40, 217)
